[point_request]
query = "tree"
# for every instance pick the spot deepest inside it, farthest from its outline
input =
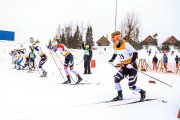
(130, 27)
(63, 39)
(165, 47)
(89, 36)
(77, 38)
(68, 35)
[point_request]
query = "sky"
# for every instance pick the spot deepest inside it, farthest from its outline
(26, 96)
(40, 18)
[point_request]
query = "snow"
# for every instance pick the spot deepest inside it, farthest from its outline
(26, 96)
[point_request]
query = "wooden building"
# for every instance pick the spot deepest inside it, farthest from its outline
(171, 41)
(103, 42)
(149, 41)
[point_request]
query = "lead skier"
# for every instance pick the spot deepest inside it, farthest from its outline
(128, 56)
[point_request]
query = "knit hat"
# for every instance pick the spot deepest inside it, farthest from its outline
(87, 46)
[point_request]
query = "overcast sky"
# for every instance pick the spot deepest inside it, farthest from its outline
(40, 18)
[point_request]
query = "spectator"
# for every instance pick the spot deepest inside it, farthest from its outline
(155, 61)
(177, 61)
(149, 52)
(87, 58)
(172, 53)
(165, 61)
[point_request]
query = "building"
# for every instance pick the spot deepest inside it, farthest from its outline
(103, 41)
(149, 41)
(172, 41)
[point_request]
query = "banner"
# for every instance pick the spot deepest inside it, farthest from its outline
(6, 35)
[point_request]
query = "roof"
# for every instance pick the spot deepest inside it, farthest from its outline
(103, 41)
(171, 40)
(149, 40)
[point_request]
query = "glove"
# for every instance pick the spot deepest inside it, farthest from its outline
(129, 66)
(110, 61)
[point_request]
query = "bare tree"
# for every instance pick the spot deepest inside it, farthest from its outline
(58, 30)
(130, 27)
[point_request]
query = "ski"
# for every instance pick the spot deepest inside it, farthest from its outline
(140, 101)
(110, 101)
(104, 102)
(86, 83)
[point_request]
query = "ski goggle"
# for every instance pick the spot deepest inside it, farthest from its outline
(115, 38)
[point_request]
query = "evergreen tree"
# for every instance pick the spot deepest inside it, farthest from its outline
(68, 36)
(77, 39)
(89, 36)
(63, 39)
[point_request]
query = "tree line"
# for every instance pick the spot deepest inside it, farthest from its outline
(74, 39)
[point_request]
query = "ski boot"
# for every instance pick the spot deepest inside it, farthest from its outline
(79, 79)
(143, 95)
(19, 68)
(44, 74)
(119, 97)
(68, 80)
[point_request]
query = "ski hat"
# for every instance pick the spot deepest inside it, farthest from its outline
(37, 41)
(87, 46)
(116, 36)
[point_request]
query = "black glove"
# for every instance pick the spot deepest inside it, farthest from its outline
(110, 60)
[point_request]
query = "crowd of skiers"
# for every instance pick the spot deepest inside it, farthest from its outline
(36, 51)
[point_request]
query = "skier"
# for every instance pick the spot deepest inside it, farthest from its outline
(32, 58)
(69, 60)
(87, 58)
(13, 55)
(128, 56)
(38, 49)
(20, 56)
(26, 64)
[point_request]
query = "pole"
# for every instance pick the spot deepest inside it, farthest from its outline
(153, 77)
(57, 65)
(62, 64)
(148, 76)
(37, 67)
(115, 15)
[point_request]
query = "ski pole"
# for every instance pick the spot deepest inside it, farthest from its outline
(57, 65)
(148, 76)
(117, 69)
(153, 77)
(114, 66)
(62, 64)
(37, 67)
